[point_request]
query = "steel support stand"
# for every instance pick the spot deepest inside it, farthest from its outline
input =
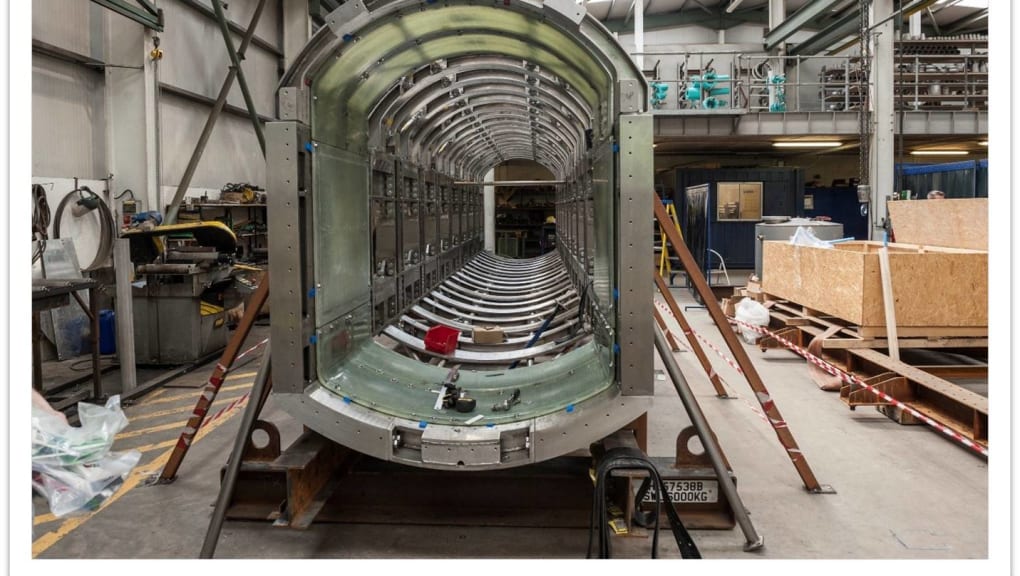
(251, 412)
(753, 541)
(761, 393)
(92, 312)
(214, 115)
(208, 396)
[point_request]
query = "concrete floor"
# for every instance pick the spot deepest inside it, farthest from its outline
(901, 491)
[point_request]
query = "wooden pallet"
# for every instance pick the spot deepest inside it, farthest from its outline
(924, 388)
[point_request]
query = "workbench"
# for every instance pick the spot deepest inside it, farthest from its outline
(50, 293)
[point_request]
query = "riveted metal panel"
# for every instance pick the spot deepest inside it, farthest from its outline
(634, 320)
(284, 160)
(293, 104)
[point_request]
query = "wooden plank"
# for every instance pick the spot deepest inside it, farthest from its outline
(925, 331)
(956, 223)
(957, 371)
(847, 343)
(888, 302)
(933, 383)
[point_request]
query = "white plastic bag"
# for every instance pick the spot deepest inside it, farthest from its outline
(806, 237)
(72, 466)
(752, 313)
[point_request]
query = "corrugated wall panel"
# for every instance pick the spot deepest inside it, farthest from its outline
(62, 23)
(232, 154)
(195, 57)
(68, 120)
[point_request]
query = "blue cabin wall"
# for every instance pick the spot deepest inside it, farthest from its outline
(782, 195)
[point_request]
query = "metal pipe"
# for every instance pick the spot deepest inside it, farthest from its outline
(251, 412)
(235, 61)
(214, 115)
(753, 540)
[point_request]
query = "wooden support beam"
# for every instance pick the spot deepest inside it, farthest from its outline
(761, 393)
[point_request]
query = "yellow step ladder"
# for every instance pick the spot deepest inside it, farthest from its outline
(664, 266)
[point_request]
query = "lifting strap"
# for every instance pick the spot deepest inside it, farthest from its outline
(626, 458)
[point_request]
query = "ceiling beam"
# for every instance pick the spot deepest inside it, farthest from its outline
(966, 21)
(703, 7)
(801, 18)
(934, 24)
(719, 20)
(833, 33)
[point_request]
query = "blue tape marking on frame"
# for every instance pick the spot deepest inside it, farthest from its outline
(422, 424)
(616, 348)
(309, 147)
(348, 37)
(490, 425)
(311, 293)
(616, 293)
(346, 400)
(313, 339)
(570, 408)
(616, 147)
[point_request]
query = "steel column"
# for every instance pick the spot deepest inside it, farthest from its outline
(883, 128)
(125, 318)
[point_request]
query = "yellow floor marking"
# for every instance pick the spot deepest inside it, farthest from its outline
(196, 393)
(144, 431)
(241, 375)
(139, 475)
(169, 443)
(43, 518)
(187, 408)
(152, 395)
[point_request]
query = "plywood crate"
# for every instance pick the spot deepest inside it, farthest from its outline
(938, 291)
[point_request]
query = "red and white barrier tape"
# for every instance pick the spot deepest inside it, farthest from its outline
(730, 361)
(225, 409)
(233, 365)
(855, 381)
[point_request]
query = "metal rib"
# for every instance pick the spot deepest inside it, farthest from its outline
(473, 357)
(461, 305)
(507, 329)
(466, 340)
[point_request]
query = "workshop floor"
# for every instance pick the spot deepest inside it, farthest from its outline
(901, 491)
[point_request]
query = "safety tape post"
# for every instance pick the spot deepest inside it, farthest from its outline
(855, 381)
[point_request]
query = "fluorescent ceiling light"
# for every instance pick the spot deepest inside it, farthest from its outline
(733, 6)
(807, 144)
(940, 153)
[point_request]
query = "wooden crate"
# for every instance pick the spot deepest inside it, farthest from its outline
(938, 291)
(957, 223)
